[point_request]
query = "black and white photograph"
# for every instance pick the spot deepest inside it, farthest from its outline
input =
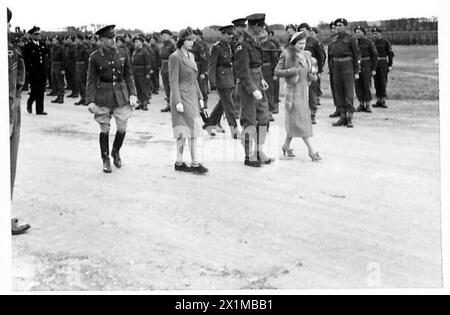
(206, 146)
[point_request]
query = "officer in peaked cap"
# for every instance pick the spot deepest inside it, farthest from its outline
(255, 115)
(385, 62)
(110, 85)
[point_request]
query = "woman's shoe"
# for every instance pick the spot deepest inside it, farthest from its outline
(182, 168)
(315, 157)
(199, 169)
(288, 152)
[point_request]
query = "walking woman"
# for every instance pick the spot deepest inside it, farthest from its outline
(185, 101)
(297, 67)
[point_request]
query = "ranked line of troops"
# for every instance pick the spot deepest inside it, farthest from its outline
(115, 74)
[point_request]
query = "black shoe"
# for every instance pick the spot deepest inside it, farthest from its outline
(313, 120)
(52, 94)
(156, 92)
(183, 168)
(80, 102)
(73, 95)
(42, 114)
(199, 169)
(107, 166)
(361, 109)
(59, 100)
(145, 108)
(18, 229)
(29, 110)
(340, 122)
(334, 115)
(377, 104)
(367, 109)
(117, 160)
(383, 105)
(166, 109)
(249, 163)
(349, 123)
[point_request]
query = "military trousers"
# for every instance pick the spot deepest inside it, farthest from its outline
(270, 92)
(165, 80)
(332, 88)
(14, 140)
(363, 84)
(225, 105)
(155, 80)
(344, 86)
(203, 84)
(381, 79)
(38, 80)
(81, 74)
(70, 76)
(314, 96)
(144, 86)
(58, 78)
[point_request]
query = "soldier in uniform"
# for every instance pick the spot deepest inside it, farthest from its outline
(291, 29)
(167, 49)
(220, 68)
(369, 60)
(330, 68)
(315, 35)
(270, 61)
(141, 64)
(58, 69)
(16, 71)
(255, 114)
(313, 46)
(276, 86)
(385, 62)
(48, 65)
(128, 41)
(94, 44)
(346, 67)
(71, 67)
(156, 63)
(240, 26)
(82, 61)
(111, 87)
(199, 50)
(34, 55)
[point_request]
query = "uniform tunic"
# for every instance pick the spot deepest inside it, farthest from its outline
(82, 61)
(385, 61)
(34, 57)
(166, 50)
(369, 60)
(199, 50)
(71, 68)
(313, 46)
(270, 61)
(142, 69)
(58, 65)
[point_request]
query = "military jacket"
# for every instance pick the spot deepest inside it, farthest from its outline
(141, 62)
(384, 49)
(313, 46)
(270, 55)
(16, 72)
(166, 50)
(59, 54)
(81, 53)
(344, 45)
(220, 66)
(369, 55)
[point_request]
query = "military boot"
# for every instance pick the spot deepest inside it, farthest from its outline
(59, 100)
(104, 149)
(361, 108)
(383, 103)
(350, 120)
(368, 109)
(342, 121)
(261, 139)
(118, 141)
(251, 159)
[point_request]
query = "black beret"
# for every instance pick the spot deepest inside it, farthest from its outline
(120, 38)
(258, 19)
(106, 32)
(304, 25)
(139, 37)
(166, 32)
(9, 14)
(35, 29)
(227, 29)
(240, 22)
(360, 28)
(341, 20)
(291, 26)
(332, 25)
(199, 32)
(376, 29)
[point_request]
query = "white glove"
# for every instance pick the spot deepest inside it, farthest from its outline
(133, 101)
(180, 108)
(258, 95)
(91, 108)
(357, 76)
(264, 85)
(202, 76)
(202, 104)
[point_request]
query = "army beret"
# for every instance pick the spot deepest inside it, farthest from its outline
(35, 29)
(199, 32)
(332, 25)
(120, 38)
(304, 25)
(376, 29)
(127, 35)
(166, 32)
(139, 37)
(106, 32)
(258, 19)
(227, 29)
(9, 14)
(315, 30)
(360, 28)
(240, 22)
(342, 21)
(291, 26)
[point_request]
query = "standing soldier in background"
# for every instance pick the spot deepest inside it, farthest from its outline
(239, 28)
(220, 68)
(58, 69)
(141, 65)
(82, 61)
(346, 68)
(128, 41)
(270, 61)
(276, 86)
(385, 62)
(291, 29)
(16, 72)
(199, 50)
(167, 49)
(156, 63)
(120, 44)
(255, 114)
(330, 68)
(313, 46)
(94, 44)
(315, 35)
(34, 55)
(111, 87)
(70, 67)
(48, 65)
(369, 60)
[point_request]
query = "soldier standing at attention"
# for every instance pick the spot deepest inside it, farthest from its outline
(156, 63)
(201, 59)
(220, 68)
(291, 29)
(70, 67)
(82, 61)
(276, 86)
(313, 46)
(240, 26)
(255, 115)
(369, 60)
(167, 49)
(330, 68)
(128, 41)
(346, 68)
(34, 55)
(315, 35)
(142, 69)
(58, 69)
(270, 61)
(385, 62)
(16, 72)
(110, 86)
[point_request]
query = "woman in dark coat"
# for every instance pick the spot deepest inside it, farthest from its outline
(185, 101)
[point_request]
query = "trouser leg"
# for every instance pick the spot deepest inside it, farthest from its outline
(226, 100)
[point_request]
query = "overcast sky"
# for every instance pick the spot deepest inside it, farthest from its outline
(153, 15)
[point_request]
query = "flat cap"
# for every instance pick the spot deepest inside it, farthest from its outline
(240, 22)
(227, 29)
(305, 26)
(342, 21)
(360, 28)
(258, 19)
(106, 32)
(9, 14)
(35, 29)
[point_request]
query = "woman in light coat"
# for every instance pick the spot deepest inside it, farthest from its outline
(185, 101)
(299, 69)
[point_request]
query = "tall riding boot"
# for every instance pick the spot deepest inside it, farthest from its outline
(368, 110)
(342, 121)
(349, 120)
(261, 136)
(248, 141)
(115, 153)
(104, 149)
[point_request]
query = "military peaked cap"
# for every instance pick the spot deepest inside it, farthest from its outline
(106, 32)
(258, 19)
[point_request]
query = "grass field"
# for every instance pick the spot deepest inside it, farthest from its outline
(415, 74)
